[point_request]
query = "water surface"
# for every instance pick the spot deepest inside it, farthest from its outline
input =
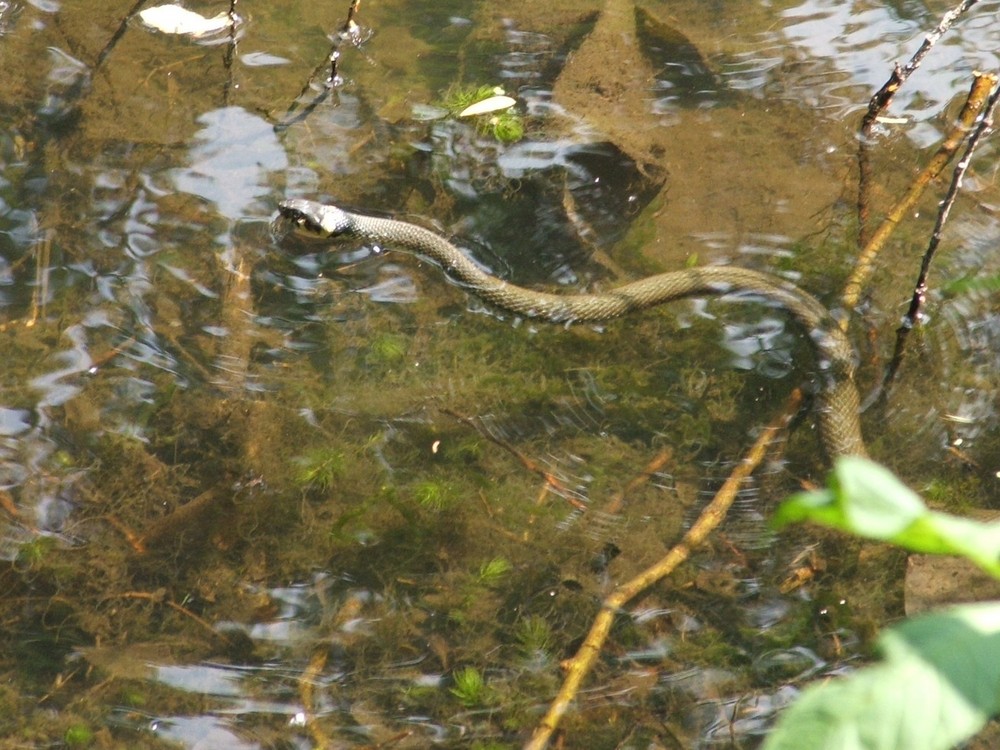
(263, 493)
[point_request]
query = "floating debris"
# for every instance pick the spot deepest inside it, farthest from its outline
(173, 19)
(493, 104)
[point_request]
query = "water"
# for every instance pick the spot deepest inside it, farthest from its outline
(263, 493)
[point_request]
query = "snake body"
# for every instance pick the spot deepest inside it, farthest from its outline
(837, 401)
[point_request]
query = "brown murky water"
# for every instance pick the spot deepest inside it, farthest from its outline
(264, 494)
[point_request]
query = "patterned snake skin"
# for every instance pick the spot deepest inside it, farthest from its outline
(838, 402)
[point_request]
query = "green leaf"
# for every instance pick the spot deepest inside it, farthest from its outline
(938, 684)
(866, 499)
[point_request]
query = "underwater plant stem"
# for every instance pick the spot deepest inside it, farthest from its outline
(714, 513)
(551, 481)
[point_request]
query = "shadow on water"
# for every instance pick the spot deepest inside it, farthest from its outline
(258, 492)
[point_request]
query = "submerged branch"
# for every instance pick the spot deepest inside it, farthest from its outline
(714, 513)
(116, 37)
(230, 57)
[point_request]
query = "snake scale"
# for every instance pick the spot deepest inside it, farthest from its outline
(837, 401)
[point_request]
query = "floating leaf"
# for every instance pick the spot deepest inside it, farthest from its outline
(492, 104)
(262, 59)
(173, 19)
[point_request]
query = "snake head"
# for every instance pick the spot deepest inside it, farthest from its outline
(315, 218)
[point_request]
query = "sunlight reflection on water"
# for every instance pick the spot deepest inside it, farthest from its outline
(233, 154)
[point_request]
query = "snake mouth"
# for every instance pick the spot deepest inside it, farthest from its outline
(291, 214)
(300, 220)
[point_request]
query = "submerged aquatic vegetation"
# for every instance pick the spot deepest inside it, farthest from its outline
(492, 571)
(319, 468)
(469, 687)
(79, 735)
(534, 635)
(434, 495)
(495, 118)
(386, 350)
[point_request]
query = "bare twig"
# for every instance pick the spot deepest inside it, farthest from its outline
(160, 597)
(351, 32)
(884, 96)
(349, 25)
(658, 461)
(230, 57)
(307, 684)
(984, 129)
(865, 263)
(580, 664)
(920, 288)
(116, 37)
(881, 101)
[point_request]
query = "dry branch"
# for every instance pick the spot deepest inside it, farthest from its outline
(880, 102)
(713, 514)
(865, 264)
(920, 288)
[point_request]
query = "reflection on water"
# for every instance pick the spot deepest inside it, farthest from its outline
(232, 156)
(257, 492)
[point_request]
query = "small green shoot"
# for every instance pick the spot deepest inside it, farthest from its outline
(534, 635)
(505, 126)
(470, 687)
(33, 553)
(79, 735)
(457, 99)
(386, 350)
(492, 571)
(319, 468)
(433, 495)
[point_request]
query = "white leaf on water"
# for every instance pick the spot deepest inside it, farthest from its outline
(263, 59)
(173, 19)
(485, 106)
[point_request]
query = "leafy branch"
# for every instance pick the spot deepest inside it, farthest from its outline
(939, 680)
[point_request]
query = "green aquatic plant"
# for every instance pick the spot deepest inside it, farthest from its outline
(79, 735)
(35, 552)
(319, 468)
(492, 571)
(534, 635)
(469, 687)
(433, 495)
(386, 350)
(507, 127)
(504, 125)
(458, 98)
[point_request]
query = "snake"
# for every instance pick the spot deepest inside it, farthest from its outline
(837, 401)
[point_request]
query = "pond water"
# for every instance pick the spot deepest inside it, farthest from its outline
(261, 492)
